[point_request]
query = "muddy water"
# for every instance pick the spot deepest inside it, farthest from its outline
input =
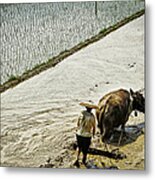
(39, 116)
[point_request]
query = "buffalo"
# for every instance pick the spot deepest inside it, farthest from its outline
(114, 110)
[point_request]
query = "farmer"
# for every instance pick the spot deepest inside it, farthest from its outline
(86, 129)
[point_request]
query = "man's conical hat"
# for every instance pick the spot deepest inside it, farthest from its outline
(88, 105)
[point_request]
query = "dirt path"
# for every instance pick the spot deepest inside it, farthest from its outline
(38, 117)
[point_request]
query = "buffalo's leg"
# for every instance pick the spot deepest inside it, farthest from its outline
(105, 143)
(121, 135)
(106, 147)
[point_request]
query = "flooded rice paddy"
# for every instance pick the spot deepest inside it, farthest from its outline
(33, 33)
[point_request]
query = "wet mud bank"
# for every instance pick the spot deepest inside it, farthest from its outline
(128, 156)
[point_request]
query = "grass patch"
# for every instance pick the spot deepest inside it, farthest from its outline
(13, 78)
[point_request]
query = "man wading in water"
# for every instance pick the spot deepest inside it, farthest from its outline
(86, 129)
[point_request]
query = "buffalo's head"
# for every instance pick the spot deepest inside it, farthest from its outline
(138, 101)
